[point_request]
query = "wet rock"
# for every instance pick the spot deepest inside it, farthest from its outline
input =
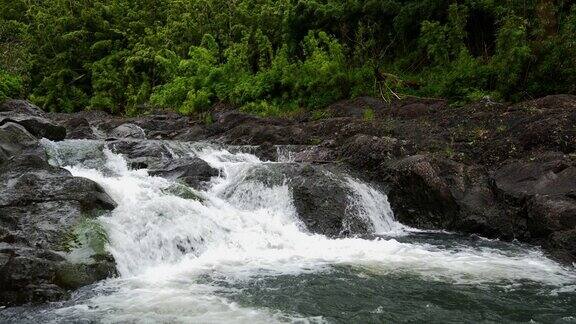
(194, 172)
(368, 152)
(30, 179)
(142, 154)
(38, 126)
(260, 133)
(163, 126)
(14, 139)
(322, 199)
(27, 275)
(192, 134)
(79, 128)
(128, 131)
(550, 174)
(21, 107)
(542, 192)
(434, 193)
(40, 205)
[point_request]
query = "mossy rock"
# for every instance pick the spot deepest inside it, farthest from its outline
(74, 275)
(184, 192)
(85, 242)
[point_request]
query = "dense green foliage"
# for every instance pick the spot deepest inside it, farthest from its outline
(278, 56)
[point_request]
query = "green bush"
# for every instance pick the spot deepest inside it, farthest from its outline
(10, 85)
(275, 57)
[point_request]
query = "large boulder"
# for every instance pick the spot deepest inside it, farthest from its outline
(50, 241)
(163, 126)
(322, 198)
(128, 130)
(79, 128)
(38, 126)
(143, 154)
(435, 193)
(21, 107)
(550, 174)
(541, 192)
(193, 172)
(368, 152)
(14, 138)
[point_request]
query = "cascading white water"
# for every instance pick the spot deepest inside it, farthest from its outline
(164, 243)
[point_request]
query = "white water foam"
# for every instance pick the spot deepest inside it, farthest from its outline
(163, 243)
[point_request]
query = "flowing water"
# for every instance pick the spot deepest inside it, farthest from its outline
(238, 253)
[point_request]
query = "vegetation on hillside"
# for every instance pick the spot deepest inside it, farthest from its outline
(276, 56)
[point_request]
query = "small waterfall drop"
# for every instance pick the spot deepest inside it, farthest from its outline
(164, 243)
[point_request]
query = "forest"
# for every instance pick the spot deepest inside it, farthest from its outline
(277, 57)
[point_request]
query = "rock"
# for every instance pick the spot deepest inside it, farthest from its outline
(545, 124)
(547, 103)
(38, 126)
(315, 154)
(79, 128)
(26, 276)
(40, 208)
(357, 107)
(542, 192)
(323, 200)
(551, 222)
(413, 107)
(551, 174)
(191, 171)
(163, 126)
(323, 203)
(21, 107)
(192, 134)
(434, 193)
(319, 154)
(142, 154)
(368, 152)
(29, 179)
(128, 131)
(260, 133)
(14, 139)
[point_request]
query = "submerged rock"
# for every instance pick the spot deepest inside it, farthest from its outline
(191, 171)
(142, 154)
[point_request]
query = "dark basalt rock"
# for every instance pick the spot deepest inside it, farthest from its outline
(21, 107)
(191, 171)
(435, 193)
(368, 152)
(79, 128)
(142, 154)
(31, 118)
(14, 138)
(322, 199)
(40, 205)
(38, 126)
(127, 131)
(542, 193)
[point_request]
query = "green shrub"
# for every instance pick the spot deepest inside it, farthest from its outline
(276, 57)
(10, 85)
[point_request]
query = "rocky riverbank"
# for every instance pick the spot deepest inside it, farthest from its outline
(497, 170)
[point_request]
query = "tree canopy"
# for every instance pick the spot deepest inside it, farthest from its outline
(277, 56)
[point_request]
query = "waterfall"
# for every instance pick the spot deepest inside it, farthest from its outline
(164, 244)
